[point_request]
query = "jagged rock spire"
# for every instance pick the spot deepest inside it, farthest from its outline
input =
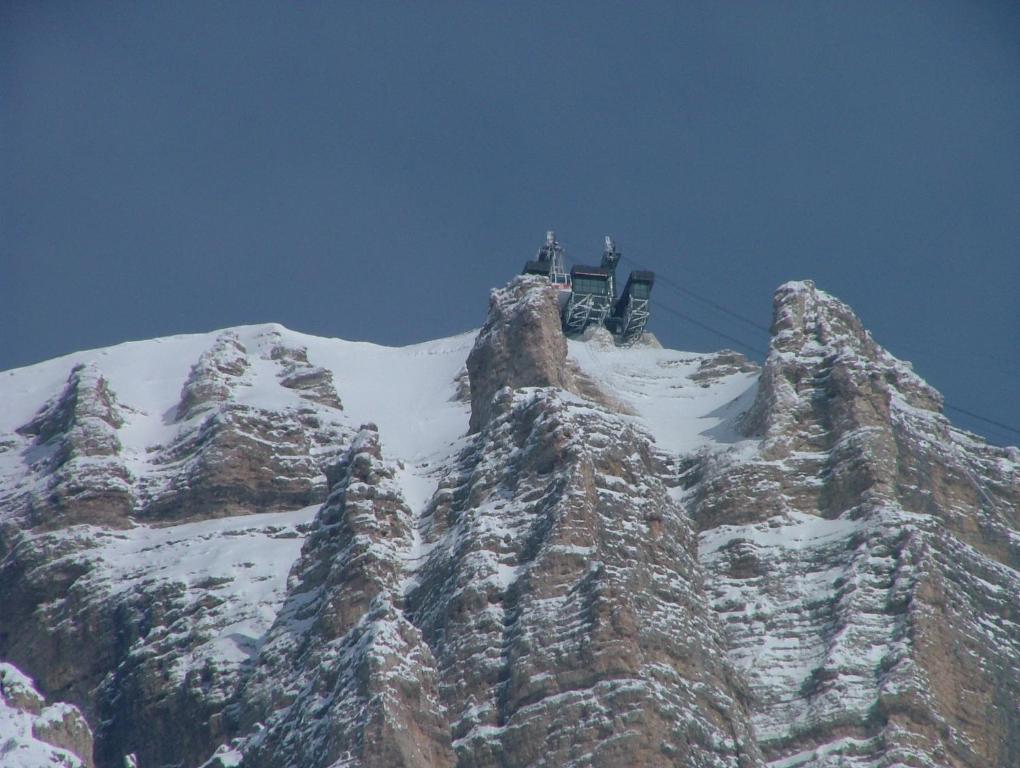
(344, 679)
(520, 345)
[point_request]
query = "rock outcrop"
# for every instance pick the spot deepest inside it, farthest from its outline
(520, 345)
(312, 382)
(153, 658)
(75, 453)
(217, 374)
(864, 559)
(232, 458)
(36, 734)
(344, 678)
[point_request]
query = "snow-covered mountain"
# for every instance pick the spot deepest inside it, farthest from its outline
(504, 548)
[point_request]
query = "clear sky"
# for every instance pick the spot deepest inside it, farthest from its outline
(369, 170)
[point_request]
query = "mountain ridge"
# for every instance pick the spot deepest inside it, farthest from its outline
(595, 555)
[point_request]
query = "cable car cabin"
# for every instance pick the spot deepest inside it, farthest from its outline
(537, 268)
(590, 300)
(632, 310)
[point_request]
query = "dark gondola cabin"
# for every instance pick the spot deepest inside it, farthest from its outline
(537, 268)
(589, 280)
(632, 310)
(639, 286)
(591, 298)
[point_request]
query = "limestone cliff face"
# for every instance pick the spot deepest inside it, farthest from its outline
(852, 556)
(546, 607)
(564, 600)
(520, 345)
(142, 654)
(609, 557)
(562, 594)
(344, 678)
(75, 451)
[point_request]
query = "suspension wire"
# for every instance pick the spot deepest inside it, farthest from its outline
(704, 299)
(985, 419)
(708, 328)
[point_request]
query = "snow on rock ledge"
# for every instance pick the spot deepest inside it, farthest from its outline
(74, 445)
(33, 734)
(344, 678)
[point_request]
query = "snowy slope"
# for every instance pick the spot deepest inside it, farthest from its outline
(236, 566)
(674, 394)
(29, 728)
(408, 391)
(216, 585)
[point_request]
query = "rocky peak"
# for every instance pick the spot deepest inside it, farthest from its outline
(824, 367)
(218, 371)
(520, 345)
(854, 530)
(803, 315)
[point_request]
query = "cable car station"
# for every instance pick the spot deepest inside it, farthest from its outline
(588, 294)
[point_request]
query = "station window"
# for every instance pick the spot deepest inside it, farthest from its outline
(589, 284)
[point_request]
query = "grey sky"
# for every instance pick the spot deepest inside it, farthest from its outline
(369, 170)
